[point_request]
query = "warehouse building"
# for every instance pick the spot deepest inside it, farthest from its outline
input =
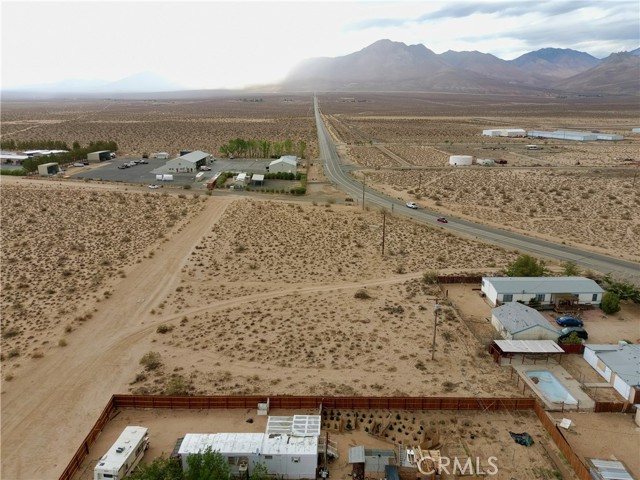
(188, 163)
(286, 164)
(505, 132)
(564, 135)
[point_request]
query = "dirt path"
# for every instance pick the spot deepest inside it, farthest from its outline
(70, 386)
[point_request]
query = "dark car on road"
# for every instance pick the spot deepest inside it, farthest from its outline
(567, 331)
(569, 322)
(442, 220)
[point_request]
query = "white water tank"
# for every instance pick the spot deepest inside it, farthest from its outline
(458, 160)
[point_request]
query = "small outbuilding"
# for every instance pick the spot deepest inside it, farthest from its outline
(608, 469)
(99, 156)
(544, 290)
(505, 132)
(47, 169)
(515, 321)
(285, 164)
(619, 365)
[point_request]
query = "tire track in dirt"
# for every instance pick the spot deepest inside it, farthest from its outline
(60, 396)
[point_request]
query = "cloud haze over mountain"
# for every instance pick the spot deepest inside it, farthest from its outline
(239, 44)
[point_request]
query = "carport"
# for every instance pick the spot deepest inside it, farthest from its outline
(535, 349)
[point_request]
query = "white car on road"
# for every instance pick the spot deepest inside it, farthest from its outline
(153, 185)
(412, 205)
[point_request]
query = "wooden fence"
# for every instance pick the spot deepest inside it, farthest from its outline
(299, 402)
(581, 470)
(616, 407)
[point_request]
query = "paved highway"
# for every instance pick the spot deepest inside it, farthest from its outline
(338, 174)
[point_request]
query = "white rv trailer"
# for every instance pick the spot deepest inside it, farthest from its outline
(124, 455)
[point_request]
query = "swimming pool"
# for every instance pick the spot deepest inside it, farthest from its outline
(549, 385)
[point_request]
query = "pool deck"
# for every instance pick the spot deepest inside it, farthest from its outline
(585, 403)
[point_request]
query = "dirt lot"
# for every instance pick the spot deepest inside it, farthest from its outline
(462, 435)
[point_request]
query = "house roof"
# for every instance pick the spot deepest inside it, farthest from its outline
(356, 454)
(528, 346)
(609, 469)
(516, 317)
(623, 360)
(537, 285)
(193, 157)
(291, 160)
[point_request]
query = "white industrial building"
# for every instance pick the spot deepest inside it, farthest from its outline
(515, 321)
(288, 448)
(12, 158)
(47, 169)
(545, 290)
(505, 132)
(564, 135)
(99, 156)
(286, 164)
(610, 137)
(188, 163)
(619, 365)
(241, 180)
(460, 160)
(635, 130)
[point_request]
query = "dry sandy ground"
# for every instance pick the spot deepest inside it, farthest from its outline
(617, 433)
(289, 323)
(461, 434)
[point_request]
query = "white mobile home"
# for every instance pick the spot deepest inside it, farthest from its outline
(545, 290)
(288, 449)
(515, 321)
(619, 365)
(124, 454)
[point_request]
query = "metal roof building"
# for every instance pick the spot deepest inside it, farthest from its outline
(515, 321)
(619, 365)
(608, 470)
(189, 162)
(564, 135)
(544, 289)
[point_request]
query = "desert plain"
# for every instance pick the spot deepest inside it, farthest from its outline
(255, 294)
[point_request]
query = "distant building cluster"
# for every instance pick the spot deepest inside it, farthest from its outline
(557, 134)
(16, 158)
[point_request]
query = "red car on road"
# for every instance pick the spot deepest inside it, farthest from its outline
(442, 220)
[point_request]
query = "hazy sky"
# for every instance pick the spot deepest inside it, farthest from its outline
(210, 44)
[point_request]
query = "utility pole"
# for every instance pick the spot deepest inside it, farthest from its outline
(436, 309)
(363, 182)
(384, 222)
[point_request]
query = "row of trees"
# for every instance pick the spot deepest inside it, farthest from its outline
(208, 465)
(11, 144)
(73, 155)
(240, 147)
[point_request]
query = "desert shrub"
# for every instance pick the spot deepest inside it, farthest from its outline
(610, 303)
(10, 332)
(186, 187)
(151, 360)
(177, 385)
(164, 328)
(362, 294)
(62, 342)
(624, 290)
(430, 277)
(526, 266)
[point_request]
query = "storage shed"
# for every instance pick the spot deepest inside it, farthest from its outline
(505, 132)
(99, 156)
(608, 469)
(515, 321)
(286, 164)
(619, 365)
(545, 290)
(47, 169)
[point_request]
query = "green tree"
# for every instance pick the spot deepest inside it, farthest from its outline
(259, 472)
(302, 148)
(160, 469)
(526, 266)
(288, 146)
(624, 290)
(570, 269)
(610, 303)
(208, 465)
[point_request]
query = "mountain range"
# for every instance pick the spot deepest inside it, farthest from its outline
(386, 65)
(394, 66)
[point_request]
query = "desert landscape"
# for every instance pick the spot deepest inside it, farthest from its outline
(113, 288)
